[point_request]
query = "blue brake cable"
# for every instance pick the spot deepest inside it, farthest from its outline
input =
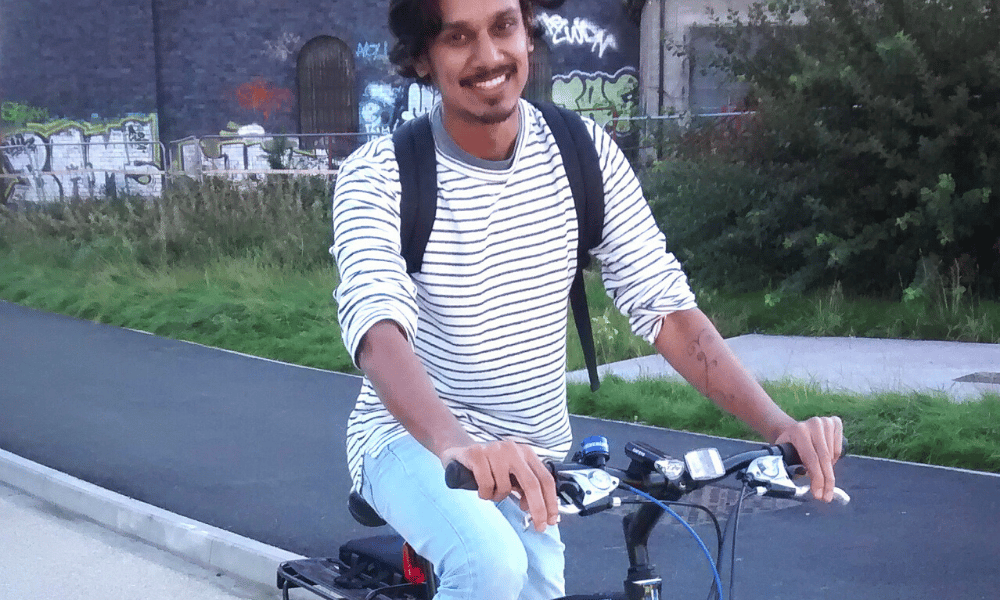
(697, 538)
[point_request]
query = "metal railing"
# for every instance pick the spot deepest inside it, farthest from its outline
(50, 170)
(303, 153)
(647, 138)
(147, 165)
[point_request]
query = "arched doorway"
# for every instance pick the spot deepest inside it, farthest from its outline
(327, 102)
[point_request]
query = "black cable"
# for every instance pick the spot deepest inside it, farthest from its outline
(715, 521)
(732, 523)
(732, 546)
(705, 509)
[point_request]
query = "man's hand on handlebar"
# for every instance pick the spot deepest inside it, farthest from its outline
(505, 466)
(819, 444)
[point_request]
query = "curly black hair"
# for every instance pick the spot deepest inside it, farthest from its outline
(414, 23)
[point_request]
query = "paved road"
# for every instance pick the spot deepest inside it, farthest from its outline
(235, 462)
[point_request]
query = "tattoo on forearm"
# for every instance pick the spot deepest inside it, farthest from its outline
(699, 349)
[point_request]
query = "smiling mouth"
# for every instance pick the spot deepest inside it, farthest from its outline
(489, 84)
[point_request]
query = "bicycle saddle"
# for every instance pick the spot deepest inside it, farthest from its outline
(363, 512)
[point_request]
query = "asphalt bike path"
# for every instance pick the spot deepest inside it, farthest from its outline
(238, 462)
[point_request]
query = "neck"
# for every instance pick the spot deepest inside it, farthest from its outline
(492, 141)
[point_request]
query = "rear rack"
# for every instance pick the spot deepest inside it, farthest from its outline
(364, 566)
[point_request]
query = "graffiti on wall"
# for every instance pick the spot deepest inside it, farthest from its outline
(377, 110)
(262, 97)
(70, 159)
(249, 148)
(372, 51)
(384, 106)
(598, 95)
(579, 32)
(282, 48)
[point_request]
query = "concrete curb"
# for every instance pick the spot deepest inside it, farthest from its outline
(200, 543)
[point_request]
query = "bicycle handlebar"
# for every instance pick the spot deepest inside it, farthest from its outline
(458, 476)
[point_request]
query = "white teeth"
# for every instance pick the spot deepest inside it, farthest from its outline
(492, 82)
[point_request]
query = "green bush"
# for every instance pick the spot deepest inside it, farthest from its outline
(723, 220)
(875, 147)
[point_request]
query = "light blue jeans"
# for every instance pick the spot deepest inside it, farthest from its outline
(480, 549)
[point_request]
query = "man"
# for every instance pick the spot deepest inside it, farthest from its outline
(466, 360)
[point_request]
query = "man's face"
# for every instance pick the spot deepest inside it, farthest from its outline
(479, 61)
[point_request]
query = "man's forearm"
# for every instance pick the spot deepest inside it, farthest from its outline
(406, 390)
(693, 346)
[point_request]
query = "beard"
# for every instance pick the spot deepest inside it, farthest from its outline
(494, 111)
(492, 117)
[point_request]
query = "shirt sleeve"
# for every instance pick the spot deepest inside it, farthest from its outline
(644, 280)
(374, 285)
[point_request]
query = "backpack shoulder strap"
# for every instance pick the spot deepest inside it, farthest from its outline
(586, 182)
(583, 169)
(417, 161)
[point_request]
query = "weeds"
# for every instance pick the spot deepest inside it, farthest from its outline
(913, 427)
(282, 221)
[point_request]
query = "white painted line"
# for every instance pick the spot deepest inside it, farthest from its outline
(243, 354)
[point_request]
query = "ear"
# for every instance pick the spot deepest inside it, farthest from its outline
(422, 66)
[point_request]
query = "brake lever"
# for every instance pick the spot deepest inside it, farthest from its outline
(582, 488)
(583, 491)
(769, 477)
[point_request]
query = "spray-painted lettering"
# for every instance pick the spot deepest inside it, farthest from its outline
(384, 107)
(249, 148)
(40, 160)
(19, 144)
(372, 50)
(598, 95)
(579, 32)
(282, 48)
(136, 134)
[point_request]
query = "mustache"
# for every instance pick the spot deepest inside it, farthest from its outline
(488, 74)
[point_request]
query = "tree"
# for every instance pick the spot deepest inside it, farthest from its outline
(878, 122)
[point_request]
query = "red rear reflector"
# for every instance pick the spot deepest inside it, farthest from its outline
(412, 570)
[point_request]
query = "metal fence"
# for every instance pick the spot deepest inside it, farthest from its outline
(645, 139)
(262, 154)
(49, 170)
(36, 171)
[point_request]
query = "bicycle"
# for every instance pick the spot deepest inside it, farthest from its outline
(386, 568)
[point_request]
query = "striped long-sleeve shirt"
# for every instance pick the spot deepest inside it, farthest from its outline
(487, 314)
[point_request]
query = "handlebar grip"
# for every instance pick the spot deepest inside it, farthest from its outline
(458, 477)
(791, 455)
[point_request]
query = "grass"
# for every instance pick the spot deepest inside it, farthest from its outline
(232, 303)
(821, 313)
(264, 288)
(924, 428)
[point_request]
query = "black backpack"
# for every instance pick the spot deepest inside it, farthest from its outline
(415, 154)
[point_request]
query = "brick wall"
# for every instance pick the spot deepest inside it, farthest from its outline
(78, 58)
(201, 67)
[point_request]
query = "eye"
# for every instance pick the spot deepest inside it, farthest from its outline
(506, 25)
(456, 38)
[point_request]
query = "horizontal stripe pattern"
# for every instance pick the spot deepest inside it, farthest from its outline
(487, 313)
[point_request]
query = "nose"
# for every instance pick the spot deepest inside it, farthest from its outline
(488, 50)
